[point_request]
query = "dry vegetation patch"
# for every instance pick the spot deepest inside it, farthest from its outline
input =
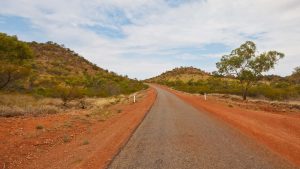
(288, 106)
(12, 105)
(31, 134)
(20, 104)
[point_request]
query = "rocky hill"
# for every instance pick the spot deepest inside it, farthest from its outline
(184, 74)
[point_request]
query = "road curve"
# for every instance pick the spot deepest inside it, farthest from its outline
(175, 135)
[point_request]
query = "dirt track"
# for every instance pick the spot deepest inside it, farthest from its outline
(176, 135)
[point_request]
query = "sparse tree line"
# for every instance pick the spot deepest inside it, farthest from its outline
(273, 90)
(34, 68)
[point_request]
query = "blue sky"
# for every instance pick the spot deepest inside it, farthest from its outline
(143, 38)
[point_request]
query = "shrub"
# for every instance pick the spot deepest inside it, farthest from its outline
(67, 139)
(85, 142)
(39, 127)
(67, 93)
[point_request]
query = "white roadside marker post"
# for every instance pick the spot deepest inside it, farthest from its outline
(134, 98)
(204, 96)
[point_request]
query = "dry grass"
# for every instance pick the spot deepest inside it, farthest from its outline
(67, 138)
(18, 105)
(253, 99)
(10, 111)
(85, 142)
(22, 105)
(259, 104)
(13, 104)
(100, 107)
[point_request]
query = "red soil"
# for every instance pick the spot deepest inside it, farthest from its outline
(280, 132)
(69, 140)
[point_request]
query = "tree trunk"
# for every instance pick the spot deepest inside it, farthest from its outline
(7, 81)
(245, 93)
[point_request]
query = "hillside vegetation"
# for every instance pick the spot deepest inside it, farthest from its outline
(183, 74)
(272, 87)
(51, 70)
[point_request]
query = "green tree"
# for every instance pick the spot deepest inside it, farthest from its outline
(15, 58)
(246, 66)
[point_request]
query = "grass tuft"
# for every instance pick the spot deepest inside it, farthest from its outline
(67, 138)
(39, 127)
(85, 142)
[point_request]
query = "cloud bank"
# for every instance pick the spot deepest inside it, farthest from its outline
(142, 38)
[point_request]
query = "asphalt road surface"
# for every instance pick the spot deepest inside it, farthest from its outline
(176, 135)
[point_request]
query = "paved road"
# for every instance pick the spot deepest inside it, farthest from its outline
(175, 135)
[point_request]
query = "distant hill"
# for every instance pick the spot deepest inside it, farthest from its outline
(184, 74)
(51, 69)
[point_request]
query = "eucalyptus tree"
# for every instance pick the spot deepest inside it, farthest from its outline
(15, 59)
(246, 65)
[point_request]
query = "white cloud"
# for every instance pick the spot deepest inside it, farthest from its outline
(155, 28)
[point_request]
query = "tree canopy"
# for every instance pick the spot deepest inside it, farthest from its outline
(12, 50)
(244, 64)
(14, 58)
